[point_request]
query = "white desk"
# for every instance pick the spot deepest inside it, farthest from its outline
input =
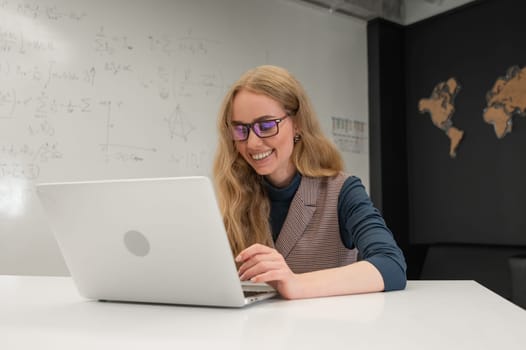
(47, 313)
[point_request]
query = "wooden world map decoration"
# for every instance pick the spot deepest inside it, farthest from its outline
(506, 99)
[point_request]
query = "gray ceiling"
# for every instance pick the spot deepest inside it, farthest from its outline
(392, 10)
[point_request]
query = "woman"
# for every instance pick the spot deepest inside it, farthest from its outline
(293, 218)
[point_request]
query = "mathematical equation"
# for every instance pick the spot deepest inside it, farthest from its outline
(42, 153)
(350, 136)
(17, 170)
(65, 75)
(192, 160)
(36, 10)
(41, 106)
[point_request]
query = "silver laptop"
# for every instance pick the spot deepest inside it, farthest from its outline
(147, 240)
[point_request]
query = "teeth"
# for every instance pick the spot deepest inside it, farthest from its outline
(260, 156)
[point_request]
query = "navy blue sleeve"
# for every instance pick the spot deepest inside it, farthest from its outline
(362, 227)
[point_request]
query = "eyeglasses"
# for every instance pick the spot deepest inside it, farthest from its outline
(263, 128)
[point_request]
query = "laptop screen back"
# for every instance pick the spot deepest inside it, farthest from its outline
(146, 240)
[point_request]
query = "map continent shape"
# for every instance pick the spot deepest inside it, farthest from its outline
(441, 106)
(506, 98)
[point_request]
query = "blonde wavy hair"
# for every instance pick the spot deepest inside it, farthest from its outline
(240, 191)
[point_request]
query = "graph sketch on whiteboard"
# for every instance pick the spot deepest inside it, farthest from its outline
(120, 152)
(178, 127)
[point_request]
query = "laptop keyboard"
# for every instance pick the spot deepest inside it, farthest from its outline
(250, 294)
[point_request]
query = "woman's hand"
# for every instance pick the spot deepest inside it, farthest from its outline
(260, 263)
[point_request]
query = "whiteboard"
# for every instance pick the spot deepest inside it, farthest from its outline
(112, 89)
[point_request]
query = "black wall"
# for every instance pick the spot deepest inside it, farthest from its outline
(467, 214)
(479, 197)
(387, 142)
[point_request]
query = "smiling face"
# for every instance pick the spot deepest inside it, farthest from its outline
(271, 156)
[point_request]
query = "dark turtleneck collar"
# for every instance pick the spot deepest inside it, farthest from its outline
(283, 193)
(280, 199)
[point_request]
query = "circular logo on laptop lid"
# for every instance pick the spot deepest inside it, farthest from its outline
(136, 243)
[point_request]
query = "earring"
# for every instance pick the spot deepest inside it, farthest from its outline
(297, 138)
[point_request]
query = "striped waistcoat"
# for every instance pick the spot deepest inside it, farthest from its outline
(310, 237)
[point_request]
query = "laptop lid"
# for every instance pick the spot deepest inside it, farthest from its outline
(145, 240)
